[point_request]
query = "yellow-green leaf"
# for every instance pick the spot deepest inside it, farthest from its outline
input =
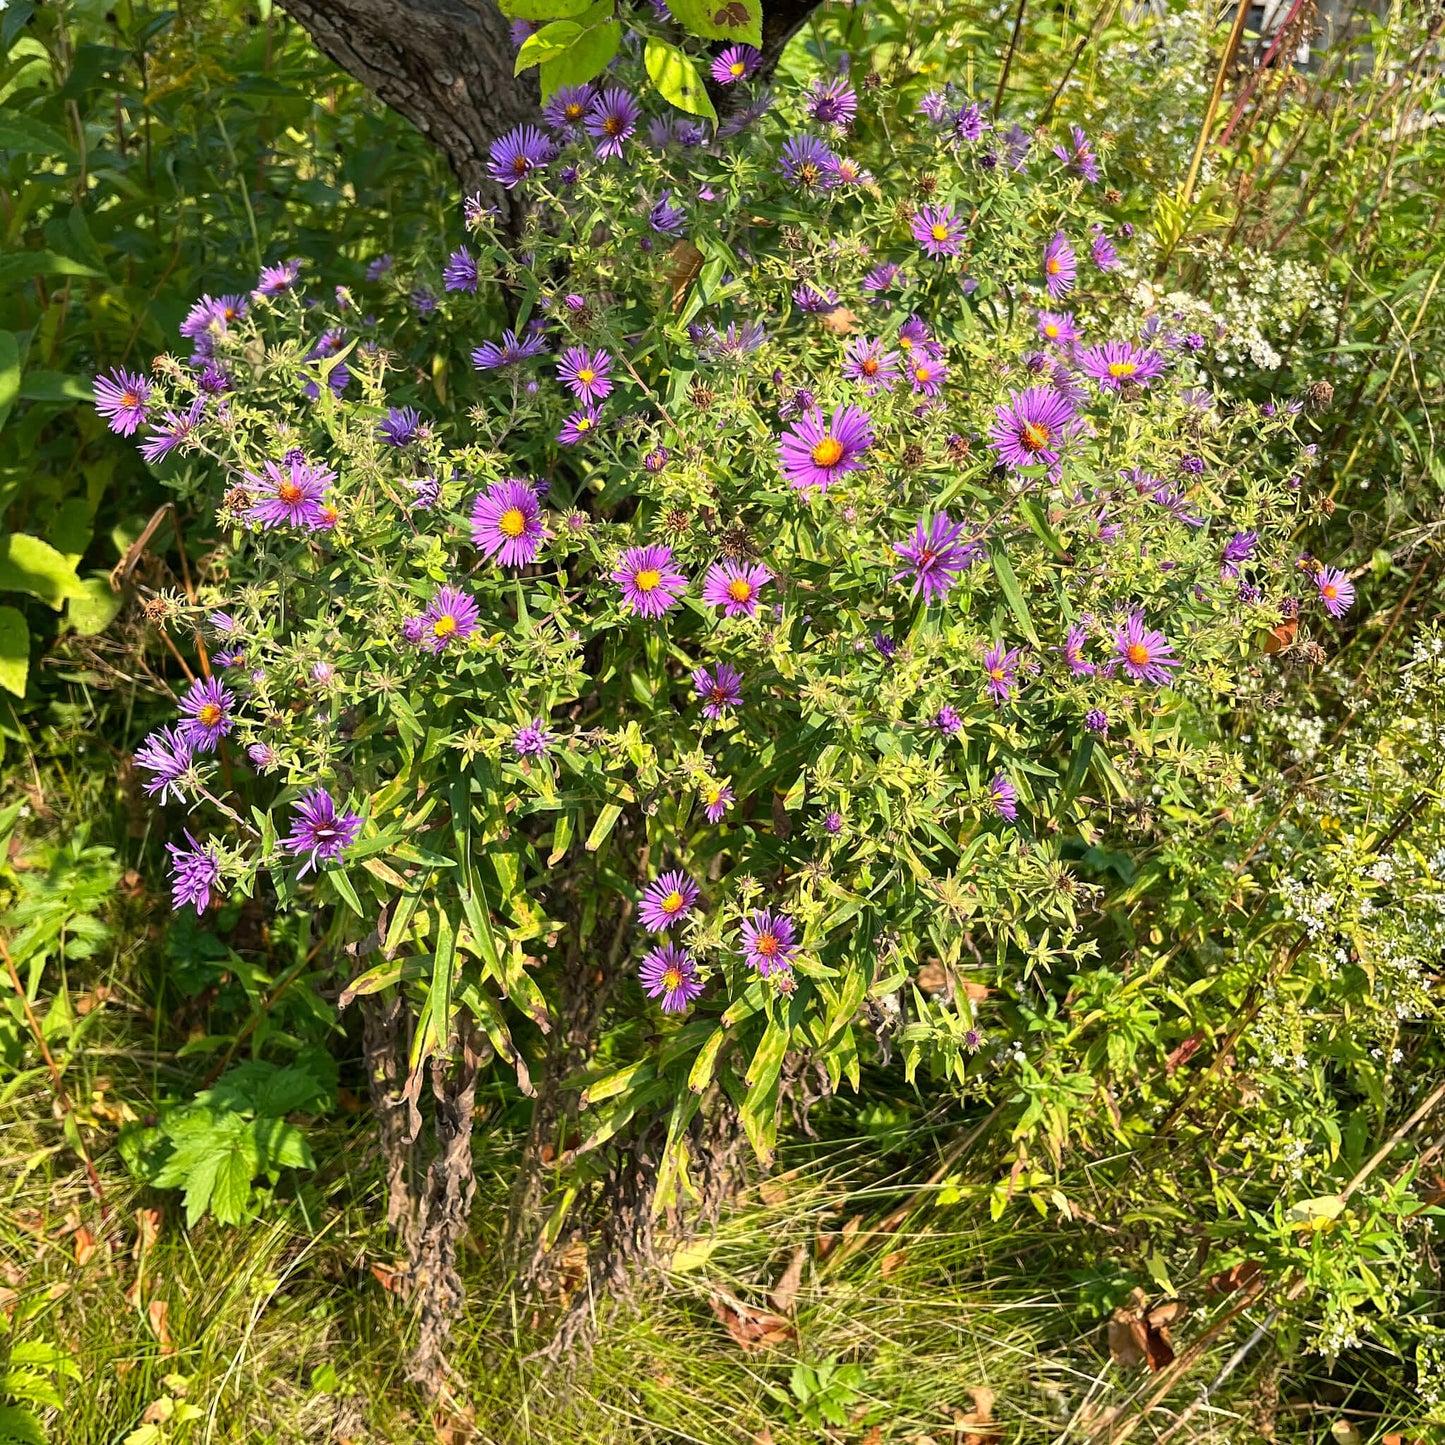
(677, 80)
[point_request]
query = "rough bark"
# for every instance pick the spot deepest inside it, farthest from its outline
(446, 65)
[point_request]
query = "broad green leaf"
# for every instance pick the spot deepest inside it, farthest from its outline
(740, 20)
(585, 59)
(1013, 594)
(23, 135)
(21, 264)
(20, 1425)
(542, 9)
(547, 44)
(29, 565)
(677, 80)
(54, 385)
(9, 373)
(93, 607)
(14, 650)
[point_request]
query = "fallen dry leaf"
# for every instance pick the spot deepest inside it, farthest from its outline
(148, 1226)
(1236, 1277)
(892, 1262)
(391, 1277)
(976, 1426)
(1177, 1058)
(752, 1329)
(785, 1292)
(763, 1437)
(841, 321)
(932, 977)
(873, 1437)
(774, 1192)
(85, 1245)
(1138, 1332)
(156, 1312)
(455, 1425)
(685, 263)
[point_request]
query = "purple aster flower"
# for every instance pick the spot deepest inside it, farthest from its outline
(807, 163)
(1073, 650)
(460, 272)
(1117, 362)
(814, 454)
(665, 218)
(1060, 268)
(1001, 666)
(610, 120)
(402, 426)
(507, 522)
(214, 380)
(816, 300)
(230, 657)
(1337, 592)
(318, 831)
(521, 29)
(1096, 721)
(915, 339)
(934, 106)
(1105, 256)
(1031, 427)
(427, 492)
(737, 62)
(568, 106)
(289, 494)
(935, 557)
(262, 755)
(884, 278)
(495, 355)
(121, 399)
(277, 280)
(1081, 157)
(650, 585)
(747, 116)
(580, 424)
(194, 873)
(168, 754)
(885, 645)
(734, 587)
(1145, 655)
(514, 156)
(531, 740)
(737, 340)
(422, 300)
(769, 941)
(667, 900)
(585, 375)
(450, 618)
(927, 375)
(668, 973)
(832, 102)
(847, 172)
(206, 714)
(833, 823)
(1004, 797)
(172, 432)
(656, 459)
(1194, 342)
(869, 364)
(378, 266)
(716, 801)
(968, 123)
(1058, 327)
(948, 721)
(1018, 143)
(938, 230)
(718, 690)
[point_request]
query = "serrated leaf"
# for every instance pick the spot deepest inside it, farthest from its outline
(677, 80)
(737, 20)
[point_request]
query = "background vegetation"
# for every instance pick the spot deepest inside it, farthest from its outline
(915, 1265)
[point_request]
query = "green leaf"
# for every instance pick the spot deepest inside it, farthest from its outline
(14, 650)
(23, 135)
(29, 565)
(94, 607)
(606, 822)
(1013, 594)
(54, 385)
(542, 9)
(9, 373)
(547, 44)
(740, 20)
(443, 974)
(20, 1426)
(231, 1189)
(585, 59)
(21, 264)
(677, 80)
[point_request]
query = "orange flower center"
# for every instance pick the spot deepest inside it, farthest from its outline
(1137, 654)
(828, 452)
(612, 125)
(573, 111)
(289, 493)
(740, 589)
(210, 715)
(1329, 591)
(647, 579)
(672, 978)
(1052, 266)
(869, 367)
(129, 398)
(1035, 436)
(520, 165)
(512, 523)
(766, 944)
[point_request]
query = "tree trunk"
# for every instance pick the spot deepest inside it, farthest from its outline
(446, 65)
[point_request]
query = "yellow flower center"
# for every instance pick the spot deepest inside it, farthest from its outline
(1052, 266)
(1137, 654)
(922, 373)
(512, 523)
(736, 68)
(938, 231)
(1051, 331)
(672, 978)
(647, 579)
(1121, 369)
(586, 376)
(741, 590)
(210, 715)
(828, 452)
(584, 423)
(905, 343)
(612, 125)
(444, 626)
(713, 797)
(997, 673)
(808, 173)
(1035, 436)
(289, 493)
(573, 111)
(672, 902)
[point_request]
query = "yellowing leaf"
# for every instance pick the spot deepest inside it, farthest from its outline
(677, 80)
